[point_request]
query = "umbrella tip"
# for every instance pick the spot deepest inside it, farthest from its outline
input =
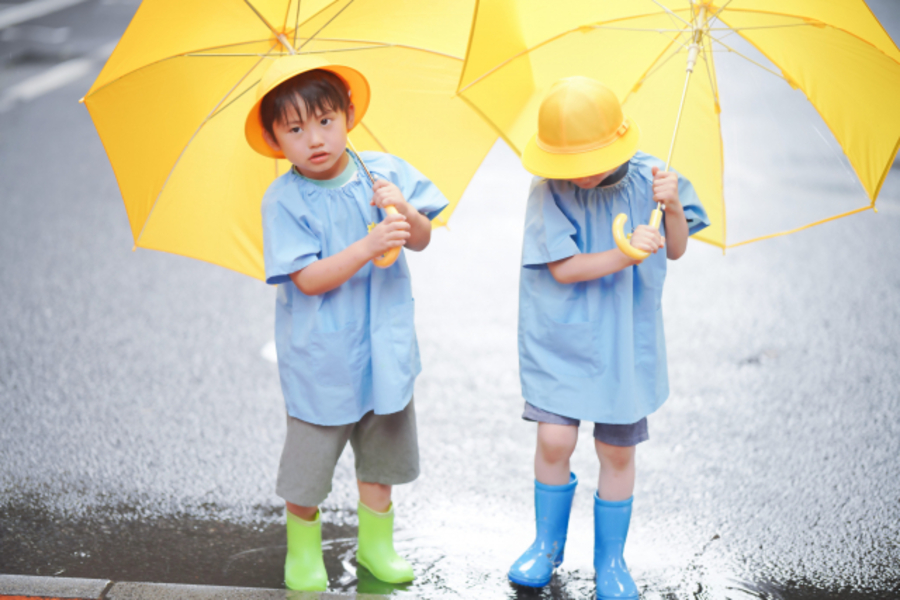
(81, 100)
(133, 248)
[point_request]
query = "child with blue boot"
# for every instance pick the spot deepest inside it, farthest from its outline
(591, 343)
(344, 333)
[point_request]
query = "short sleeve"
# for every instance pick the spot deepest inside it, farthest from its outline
(549, 235)
(694, 212)
(289, 243)
(417, 189)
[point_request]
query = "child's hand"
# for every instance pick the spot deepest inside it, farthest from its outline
(392, 232)
(387, 194)
(647, 238)
(665, 190)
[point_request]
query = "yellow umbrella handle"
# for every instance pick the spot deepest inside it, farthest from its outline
(389, 257)
(622, 241)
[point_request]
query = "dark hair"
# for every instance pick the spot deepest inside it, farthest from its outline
(320, 91)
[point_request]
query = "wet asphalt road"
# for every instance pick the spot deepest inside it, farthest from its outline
(141, 422)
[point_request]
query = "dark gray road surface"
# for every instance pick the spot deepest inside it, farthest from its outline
(142, 422)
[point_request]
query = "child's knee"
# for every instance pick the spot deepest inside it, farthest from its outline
(618, 458)
(556, 442)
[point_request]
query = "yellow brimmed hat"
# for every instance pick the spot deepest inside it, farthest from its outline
(291, 66)
(581, 132)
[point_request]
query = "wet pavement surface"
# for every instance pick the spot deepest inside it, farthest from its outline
(142, 422)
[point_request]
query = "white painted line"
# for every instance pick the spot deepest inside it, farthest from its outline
(269, 353)
(20, 13)
(51, 79)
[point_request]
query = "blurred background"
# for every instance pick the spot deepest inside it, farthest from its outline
(141, 417)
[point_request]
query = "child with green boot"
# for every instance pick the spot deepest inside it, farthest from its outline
(344, 332)
(591, 342)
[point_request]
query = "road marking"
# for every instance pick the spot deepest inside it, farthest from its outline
(53, 78)
(49, 80)
(269, 353)
(33, 10)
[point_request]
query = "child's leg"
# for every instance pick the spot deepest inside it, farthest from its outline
(615, 445)
(304, 480)
(307, 513)
(387, 454)
(616, 471)
(376, 496)
(554, 488)
(555, 445)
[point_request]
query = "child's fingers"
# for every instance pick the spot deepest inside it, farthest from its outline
(398, 218)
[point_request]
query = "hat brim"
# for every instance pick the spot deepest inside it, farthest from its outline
(582, 164)
(353, 79)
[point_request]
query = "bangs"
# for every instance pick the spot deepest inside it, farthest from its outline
(316, 91)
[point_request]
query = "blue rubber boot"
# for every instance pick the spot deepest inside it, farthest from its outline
(611, 521)
(552, 505)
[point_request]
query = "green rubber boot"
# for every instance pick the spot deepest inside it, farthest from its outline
(376, 546)
(304, 568)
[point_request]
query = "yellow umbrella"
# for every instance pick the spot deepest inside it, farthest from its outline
(171, 101)
(837, 53)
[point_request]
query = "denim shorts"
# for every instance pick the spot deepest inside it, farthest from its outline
(614, 435)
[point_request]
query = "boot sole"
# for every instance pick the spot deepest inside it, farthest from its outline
(528, 583)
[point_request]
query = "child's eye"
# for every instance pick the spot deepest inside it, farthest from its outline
(325, 121)
(296, 129)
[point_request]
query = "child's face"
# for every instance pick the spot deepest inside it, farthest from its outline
(314, 143)
(592, 181)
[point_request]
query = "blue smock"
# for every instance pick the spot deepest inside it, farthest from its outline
(594, 350)
(352, 350)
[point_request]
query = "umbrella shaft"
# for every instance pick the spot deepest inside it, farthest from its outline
(693, 52)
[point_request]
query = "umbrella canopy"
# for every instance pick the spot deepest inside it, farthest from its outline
(170, 103)
(837, 53)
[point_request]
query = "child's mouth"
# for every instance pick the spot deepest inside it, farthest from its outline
(318, 157)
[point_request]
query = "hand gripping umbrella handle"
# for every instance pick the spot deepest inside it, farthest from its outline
(389, 257)
(622, 241)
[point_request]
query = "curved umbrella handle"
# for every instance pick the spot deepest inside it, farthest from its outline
(389, 257)
(618, 231)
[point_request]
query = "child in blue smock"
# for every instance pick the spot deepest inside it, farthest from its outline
(591, 344)
(344, 332)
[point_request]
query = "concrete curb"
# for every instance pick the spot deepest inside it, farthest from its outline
(26, 586)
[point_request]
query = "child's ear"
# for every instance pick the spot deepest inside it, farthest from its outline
(351, 116)
(270, 140)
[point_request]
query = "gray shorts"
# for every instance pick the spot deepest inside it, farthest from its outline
(614, 435)
(385, 447)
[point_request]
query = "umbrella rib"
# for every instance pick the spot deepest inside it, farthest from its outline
(233, 100)
(670, 12)
(187, 145)
(660, 65)
(712, 83)
(262, 18)
(747, 58)
(278, 35)
(737, 29)
(532, 48)
(296, 21)
(218, 55)
(183, 54)
(647, 29)
(718, 12)
(327, 23)
(819, 222)
(831, 25)
(377, 141)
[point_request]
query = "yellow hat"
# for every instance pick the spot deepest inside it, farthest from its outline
(291, 66)
(581, 131)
